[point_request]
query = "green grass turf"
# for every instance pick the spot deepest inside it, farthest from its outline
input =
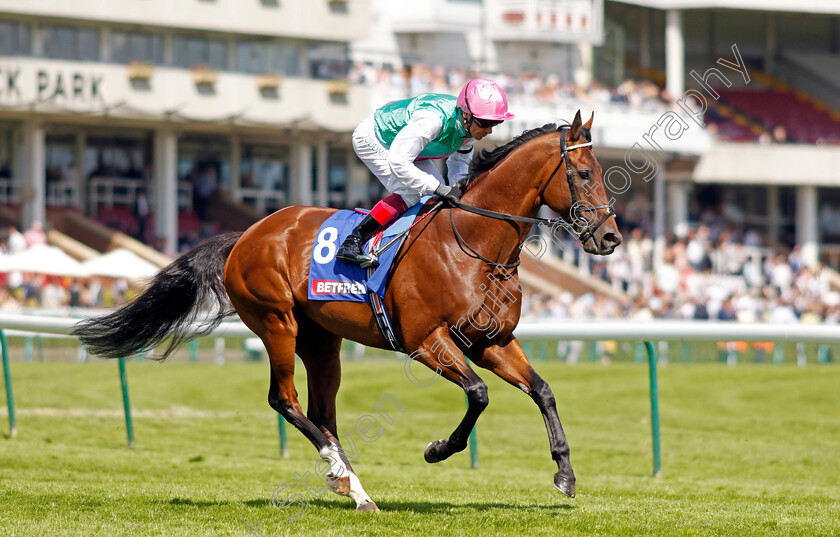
(749, 450)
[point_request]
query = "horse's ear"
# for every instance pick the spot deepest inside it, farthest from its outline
(574, 131)
(588, 124)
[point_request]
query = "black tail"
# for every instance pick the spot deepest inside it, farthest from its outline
(180, 294)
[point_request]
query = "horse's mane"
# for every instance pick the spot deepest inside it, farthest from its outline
(485, 160)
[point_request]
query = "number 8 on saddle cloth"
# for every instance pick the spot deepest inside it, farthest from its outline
(330, 279)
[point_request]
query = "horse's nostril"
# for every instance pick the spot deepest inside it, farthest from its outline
(611, 239)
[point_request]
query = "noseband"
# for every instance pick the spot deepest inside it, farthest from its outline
(584, 234)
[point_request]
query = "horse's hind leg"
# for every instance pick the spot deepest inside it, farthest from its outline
(319, 351)
(510, 363)
(278, 331)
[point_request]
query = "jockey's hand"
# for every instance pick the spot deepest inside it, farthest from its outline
(451, 194)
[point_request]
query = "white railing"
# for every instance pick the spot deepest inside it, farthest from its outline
(263, 200)
(723, 259)
(63, 194)
(9, 192)
(58, 194)
(274, 200)
(120, 192)
(677, 331)
(576, 330)
(591, 331)
(102, 191)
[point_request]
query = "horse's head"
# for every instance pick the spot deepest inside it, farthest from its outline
(576, 190)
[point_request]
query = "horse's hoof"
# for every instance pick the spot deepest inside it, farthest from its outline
(565, 485)
(367, 507)
(339, 485)
(432, 453)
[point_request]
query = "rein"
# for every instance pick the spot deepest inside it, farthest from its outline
(583, 235)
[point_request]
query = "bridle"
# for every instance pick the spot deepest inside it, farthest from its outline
(583, 235)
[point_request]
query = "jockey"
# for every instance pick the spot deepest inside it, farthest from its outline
(398, 140)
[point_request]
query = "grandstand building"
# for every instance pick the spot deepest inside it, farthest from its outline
(721, 161)
(253, 99)
(771, 165)
(247, 98)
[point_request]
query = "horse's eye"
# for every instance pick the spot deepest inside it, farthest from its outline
(584, 174)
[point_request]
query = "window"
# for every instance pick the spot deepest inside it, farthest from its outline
(58, 156)
(263, 57)
(264, 176)
(70, 43)
(259, 58)
(291, 60)
(337, 169)
(115, 156)
(6, 151)
(328, 61)
(197, 153)
(265, 167)
(14, 39)
(338, 6)
(88, 45)
(197, 51)
(127, 47)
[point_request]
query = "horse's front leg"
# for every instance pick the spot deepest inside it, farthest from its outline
(439, 353)
(509, 362)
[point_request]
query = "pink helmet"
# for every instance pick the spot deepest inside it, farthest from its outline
(484, 99)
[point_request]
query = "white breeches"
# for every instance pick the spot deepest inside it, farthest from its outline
(375, 157)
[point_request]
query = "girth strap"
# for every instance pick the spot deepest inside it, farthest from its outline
(380, 314)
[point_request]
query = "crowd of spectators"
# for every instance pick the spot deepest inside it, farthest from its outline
(711, 271)
(23, 290)
(390, 84)
(708, 272)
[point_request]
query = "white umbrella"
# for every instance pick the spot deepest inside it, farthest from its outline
(120, 263)
(43, 259)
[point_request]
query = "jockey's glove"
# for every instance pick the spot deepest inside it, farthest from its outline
(451, 194)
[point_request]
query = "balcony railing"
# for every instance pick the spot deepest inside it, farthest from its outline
(263, 200)
(116, 191)
(58, 194)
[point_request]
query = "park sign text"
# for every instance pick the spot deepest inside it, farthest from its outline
(66, 87)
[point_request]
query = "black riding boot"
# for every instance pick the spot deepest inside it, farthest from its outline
(351, 249)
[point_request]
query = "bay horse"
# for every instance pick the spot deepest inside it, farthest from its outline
(264, 273)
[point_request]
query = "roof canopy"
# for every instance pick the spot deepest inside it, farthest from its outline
(42, 259)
